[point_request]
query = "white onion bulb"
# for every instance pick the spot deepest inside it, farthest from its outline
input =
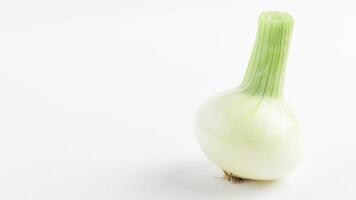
(249, 131)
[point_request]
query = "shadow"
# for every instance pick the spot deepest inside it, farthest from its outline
(200, 180)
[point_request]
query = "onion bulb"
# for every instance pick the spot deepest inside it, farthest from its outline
(249, 131)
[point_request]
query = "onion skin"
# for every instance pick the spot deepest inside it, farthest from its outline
(250, 131)
(253, 139)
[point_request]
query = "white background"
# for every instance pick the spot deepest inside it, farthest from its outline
(97, 98)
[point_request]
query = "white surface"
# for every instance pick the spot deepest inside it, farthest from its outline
(97, 98)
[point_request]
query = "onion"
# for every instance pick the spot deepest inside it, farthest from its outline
(249, 131)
